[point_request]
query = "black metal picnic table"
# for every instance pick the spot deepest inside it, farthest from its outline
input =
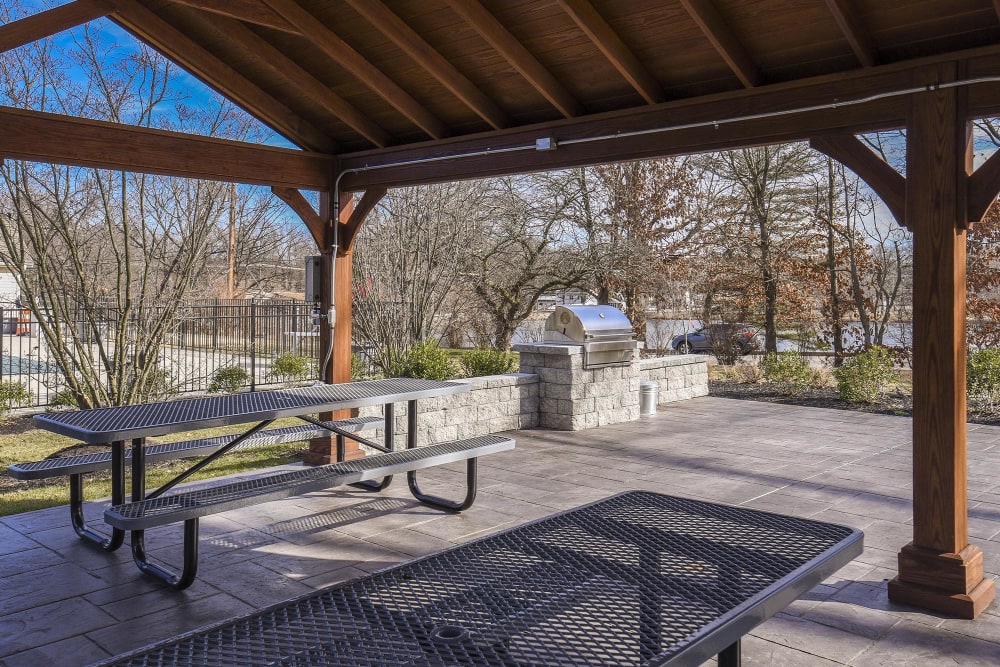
(636, 579)
(116, 425)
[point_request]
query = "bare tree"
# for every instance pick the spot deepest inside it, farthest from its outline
(522, 251)
(767, 183)
(103, 259)
(406, 263)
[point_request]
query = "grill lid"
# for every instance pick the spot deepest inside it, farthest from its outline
(582, 324)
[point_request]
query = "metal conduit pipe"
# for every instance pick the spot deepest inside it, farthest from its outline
(671, 128)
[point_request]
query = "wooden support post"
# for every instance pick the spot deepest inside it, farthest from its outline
(338, 368)
(939, 569)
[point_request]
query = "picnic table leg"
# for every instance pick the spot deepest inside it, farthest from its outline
(138, 537)
(389, 439)
(117, 498)
(730, 656)
(411, 477)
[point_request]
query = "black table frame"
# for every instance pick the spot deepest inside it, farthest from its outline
(117, 425)
(688, 579)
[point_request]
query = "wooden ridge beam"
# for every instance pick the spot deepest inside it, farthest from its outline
(368, 202)
(298, 203)
(53, 138)
(344, 55)
(280, 65)
(888, 183)
(614, 49)
(247, 11)
(724, 40)
(826, 96)
(422, 53)
(497, 36)
(190, 55)
(51, 21)
(846, 16)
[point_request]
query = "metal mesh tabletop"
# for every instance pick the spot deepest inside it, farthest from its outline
(153, 419)
(637, 579)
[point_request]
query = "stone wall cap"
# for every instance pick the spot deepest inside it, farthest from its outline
(673, 360)
(549, 348)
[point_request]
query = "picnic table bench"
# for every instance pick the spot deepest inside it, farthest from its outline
(117, 425)
(636, 579)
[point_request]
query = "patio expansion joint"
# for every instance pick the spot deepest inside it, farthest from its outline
(829, 470)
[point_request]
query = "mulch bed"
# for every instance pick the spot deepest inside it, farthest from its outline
(893, 403)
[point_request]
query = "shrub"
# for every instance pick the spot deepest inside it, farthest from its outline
(747, 373)
(481, 362)
(982, 377)
(290, 367)
(228, 380)
(13, 395)
(361, 369)
(864, 376)
(789, 370)
(426, 361)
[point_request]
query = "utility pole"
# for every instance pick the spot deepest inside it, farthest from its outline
(231, 283)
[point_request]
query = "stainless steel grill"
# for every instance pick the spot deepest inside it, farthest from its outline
(604, 332)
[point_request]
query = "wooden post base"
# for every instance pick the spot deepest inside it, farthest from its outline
(323, 450)
(950, 583)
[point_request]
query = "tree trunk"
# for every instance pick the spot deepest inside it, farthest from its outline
(836, 314)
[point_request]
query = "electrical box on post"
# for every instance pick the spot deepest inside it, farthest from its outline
(314, 279)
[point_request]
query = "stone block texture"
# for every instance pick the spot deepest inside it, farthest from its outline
(680, 377)
(571, 398)
(494, 403)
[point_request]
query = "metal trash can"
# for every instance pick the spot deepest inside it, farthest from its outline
(649, 396)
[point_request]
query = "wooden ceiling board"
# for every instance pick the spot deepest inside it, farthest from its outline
(455, 40)
(784, 39)
(391, 60)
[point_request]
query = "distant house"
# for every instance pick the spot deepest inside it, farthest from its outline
(10, 293)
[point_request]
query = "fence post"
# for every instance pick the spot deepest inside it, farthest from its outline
(253, 345)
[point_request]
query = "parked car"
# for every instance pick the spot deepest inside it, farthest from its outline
(705, 339)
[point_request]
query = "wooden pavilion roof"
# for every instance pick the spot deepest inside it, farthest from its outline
(377, 82)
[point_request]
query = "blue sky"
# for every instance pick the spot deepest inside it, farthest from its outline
(185, 88)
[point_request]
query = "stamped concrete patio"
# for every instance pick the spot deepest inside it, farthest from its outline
(65, 603)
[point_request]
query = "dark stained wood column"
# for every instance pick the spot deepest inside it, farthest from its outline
(338, 369)
(939, 569)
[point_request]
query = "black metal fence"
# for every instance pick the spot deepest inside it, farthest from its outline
(250, 334)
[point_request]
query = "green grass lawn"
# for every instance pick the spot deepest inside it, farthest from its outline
(20, 442)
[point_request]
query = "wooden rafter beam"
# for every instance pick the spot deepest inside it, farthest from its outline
(345, 56)
(298, 203)
(497, 36)
(423, 54)
(43, 24)
(57, 139)
(193, 57)
(846, 16)
(888, 183)
(349, 229)
(725, 41)
(248, 11)
(279, 65)
(614, 49)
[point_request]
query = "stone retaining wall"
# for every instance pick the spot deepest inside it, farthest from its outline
(680, 377)
(552, 391)
(495, 403)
